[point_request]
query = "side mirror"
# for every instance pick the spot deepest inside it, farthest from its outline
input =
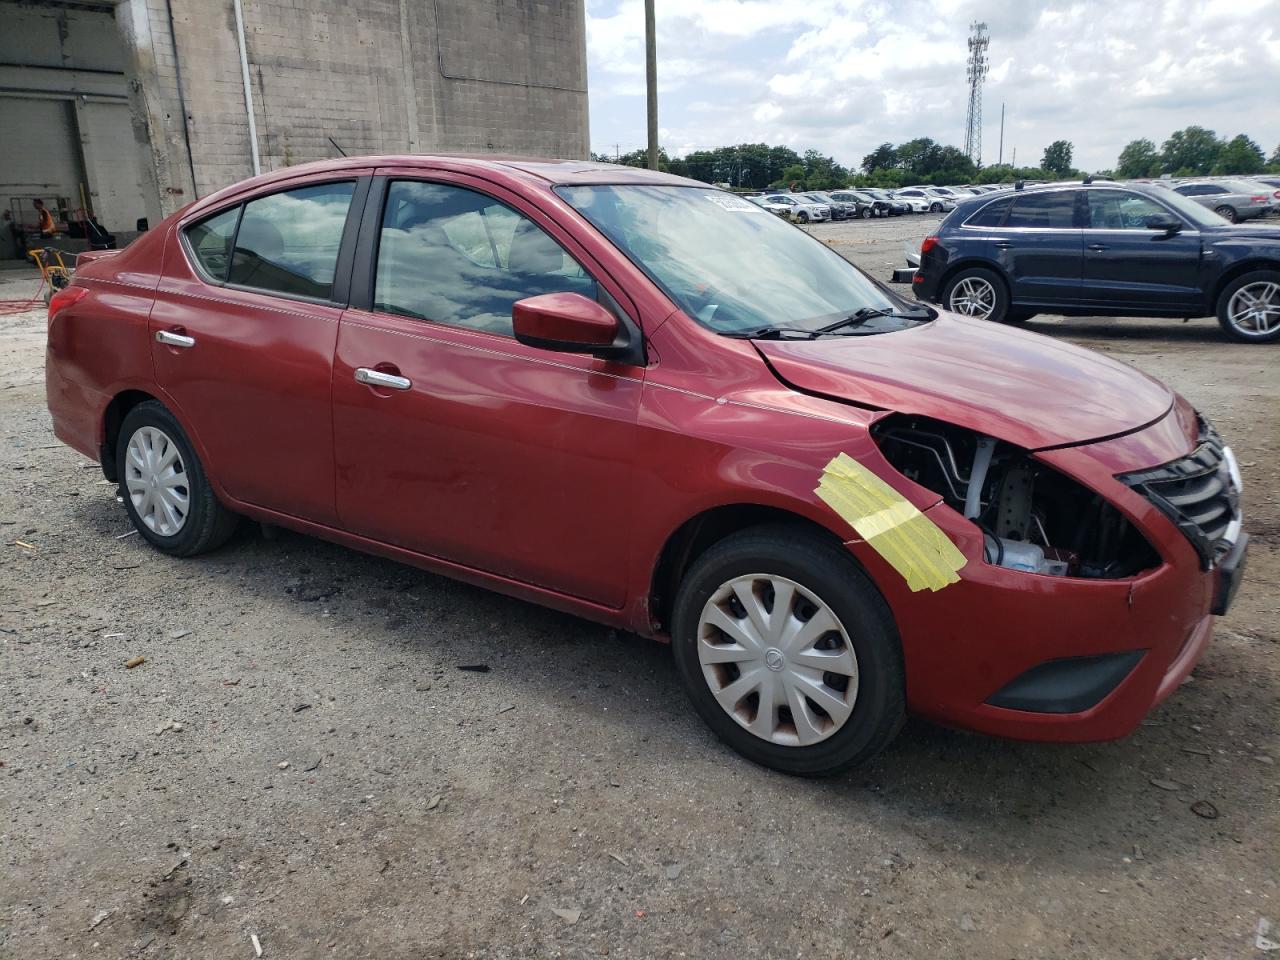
(1163, 221)
(569, 323)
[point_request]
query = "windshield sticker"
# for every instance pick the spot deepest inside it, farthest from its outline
(727, 201)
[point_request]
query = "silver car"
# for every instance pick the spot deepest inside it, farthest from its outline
(1233, 200)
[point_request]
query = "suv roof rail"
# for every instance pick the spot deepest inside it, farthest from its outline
(1098, 176)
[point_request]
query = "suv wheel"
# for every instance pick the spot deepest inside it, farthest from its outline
(1227, 213)
(1249, 307)
(166, 491)
(788, 651)
(977, 293)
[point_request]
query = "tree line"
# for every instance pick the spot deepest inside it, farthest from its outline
(1193, 151)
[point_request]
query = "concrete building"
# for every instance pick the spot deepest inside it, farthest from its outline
(130, 109)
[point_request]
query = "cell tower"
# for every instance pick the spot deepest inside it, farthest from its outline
(977, 72)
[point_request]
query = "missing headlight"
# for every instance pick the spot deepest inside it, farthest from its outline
(1033, 517)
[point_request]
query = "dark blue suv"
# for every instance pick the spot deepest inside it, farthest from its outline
(1102, 249)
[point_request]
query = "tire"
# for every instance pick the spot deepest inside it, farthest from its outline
(1227, 213)
(864, 630)
(866, 213)
(974, 287)
(202, 523)
(1249, 307)
(935, 208)
(802, 217)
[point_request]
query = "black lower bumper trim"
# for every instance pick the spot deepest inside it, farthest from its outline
(1228, 573)
(1069, 685)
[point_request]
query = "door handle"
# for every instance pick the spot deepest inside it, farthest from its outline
(175, 338)
(376, 378)
(1004, 244)
(1099, 247)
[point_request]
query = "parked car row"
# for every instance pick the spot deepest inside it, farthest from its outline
(1233, 198)
(865, 203)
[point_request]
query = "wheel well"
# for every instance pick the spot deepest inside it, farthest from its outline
(112, 418)
(696, 535)
(1236, 271)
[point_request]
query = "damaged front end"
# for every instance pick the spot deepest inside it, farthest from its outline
(1033, 517)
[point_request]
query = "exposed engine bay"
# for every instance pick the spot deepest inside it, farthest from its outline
(1033, 518)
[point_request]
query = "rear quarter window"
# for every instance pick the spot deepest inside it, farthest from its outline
(990, 215)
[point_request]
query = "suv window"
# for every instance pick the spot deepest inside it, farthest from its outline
(210, 241)
(992, 215)
(1047, 211)
(1121, 210)
(451, 255)
(288, 242)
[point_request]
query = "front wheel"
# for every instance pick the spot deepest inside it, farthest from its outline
(977, 293)
(1227, 213)
(166, 491)
(788, 651)
(1249, 307)
(935, 208)
(802, 217)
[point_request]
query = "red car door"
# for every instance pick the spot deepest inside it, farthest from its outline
(243, 332)
(452, 438)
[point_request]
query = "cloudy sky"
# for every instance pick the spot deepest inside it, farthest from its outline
(846, 75)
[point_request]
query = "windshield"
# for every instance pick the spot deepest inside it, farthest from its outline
(1190, 210)
(730, 265)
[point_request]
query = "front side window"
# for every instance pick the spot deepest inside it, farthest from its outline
(1046, 211)
(210, 242)
(729, 265)
(288, 242)
(1120, 210)
(451, 255)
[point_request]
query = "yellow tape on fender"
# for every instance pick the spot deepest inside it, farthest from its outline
(908, 540)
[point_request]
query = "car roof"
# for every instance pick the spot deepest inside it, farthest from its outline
(532, 170)
(966, 204)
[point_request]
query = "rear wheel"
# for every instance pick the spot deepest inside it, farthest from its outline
(977, 293)
(935, 208)
(1227, 213)
(166, 491)
(867, 213)
(788, 651)
(1249, 307)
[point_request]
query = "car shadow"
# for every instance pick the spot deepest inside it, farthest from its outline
(1139, 329)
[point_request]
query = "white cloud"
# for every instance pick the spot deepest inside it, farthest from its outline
(846, 75)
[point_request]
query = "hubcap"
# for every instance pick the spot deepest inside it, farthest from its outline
(974, 297)
(1254, 309)
(777, 660)
(156, 480)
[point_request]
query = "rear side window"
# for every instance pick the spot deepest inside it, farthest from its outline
(992, 215)
(1047, 211)
(288, 242)
(210, 242)
(455, 256)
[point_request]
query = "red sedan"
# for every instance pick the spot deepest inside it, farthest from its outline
(650, 403)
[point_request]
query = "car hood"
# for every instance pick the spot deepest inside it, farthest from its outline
(1024, 388)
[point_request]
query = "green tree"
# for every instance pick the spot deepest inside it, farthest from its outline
(1138, 159)
(1192, 149)
(793, 174)
(882, 157)
(1240, 155)
(1057, 158)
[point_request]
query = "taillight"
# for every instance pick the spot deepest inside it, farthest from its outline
(64, 298)
(1261, 199)
(928, 244)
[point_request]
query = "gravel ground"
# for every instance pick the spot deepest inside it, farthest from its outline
(301, 759)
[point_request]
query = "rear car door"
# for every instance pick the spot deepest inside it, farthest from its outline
(486, 452)
(1041, 248)
(1128, 265)
(242, 336)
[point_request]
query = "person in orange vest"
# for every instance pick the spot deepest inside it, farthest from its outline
(44, 219)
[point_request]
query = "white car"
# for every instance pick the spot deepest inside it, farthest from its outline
(918, 203)
(794, 208)
(935, 202)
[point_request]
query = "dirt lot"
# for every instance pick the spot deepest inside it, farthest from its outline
(301, 759)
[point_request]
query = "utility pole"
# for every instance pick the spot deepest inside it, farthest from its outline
(1015, 157)
(976, 71)
(1001, 160)
(651, 76)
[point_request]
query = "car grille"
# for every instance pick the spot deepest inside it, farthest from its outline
(1200, 493)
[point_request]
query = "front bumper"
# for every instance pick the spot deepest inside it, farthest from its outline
(1067, 659)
